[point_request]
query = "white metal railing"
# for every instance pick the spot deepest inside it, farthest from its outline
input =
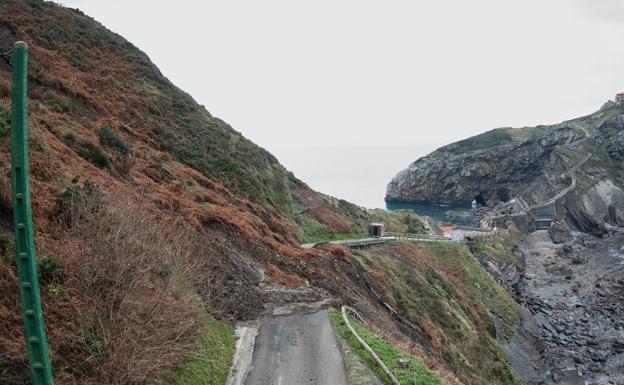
(365, 345)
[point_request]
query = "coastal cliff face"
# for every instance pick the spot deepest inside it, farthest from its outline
(567, 284)
(529, 163)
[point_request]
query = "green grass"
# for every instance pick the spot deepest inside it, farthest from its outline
(112, 140)
(316, 232)
(572, 155)
(88, 151)
(487, 139)
(335, 237)
(417, 374)
(5, 120)
(497, 251)
(213, 356)
(443, 288)
(398, 221)
(481, 284)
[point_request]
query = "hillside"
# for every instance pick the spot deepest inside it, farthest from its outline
(158, 226)
(524, 166)
(108, 129)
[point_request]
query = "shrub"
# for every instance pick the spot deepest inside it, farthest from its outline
(50, 270)
(123, 165)
(56, 290)
(136, 274)
(7, 250)
(154, 110)
(112, 140)
(6, 245)
(71, 201)
(5, 120)
(87, 151)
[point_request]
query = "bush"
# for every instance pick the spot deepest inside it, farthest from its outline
(112, 140)
(7, 250)
(5, 120)
(6, 245)
(142, 317)
(75, 197)
(154, 110)
(87, 151)
(123, 165)
(50, 270)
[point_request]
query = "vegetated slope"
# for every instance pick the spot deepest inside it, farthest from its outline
(89, 86)
(153, 218)
(148, 210)
(445, 293)
(528, 163)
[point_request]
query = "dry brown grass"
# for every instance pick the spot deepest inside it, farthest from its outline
(5, 190)
(141, 316)
(288, 280)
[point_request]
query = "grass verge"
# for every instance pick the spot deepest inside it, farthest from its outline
(417, 374)
(213, 356)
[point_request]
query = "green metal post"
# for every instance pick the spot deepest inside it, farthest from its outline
(34, 329)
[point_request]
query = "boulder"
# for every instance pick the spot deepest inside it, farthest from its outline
(559, 233)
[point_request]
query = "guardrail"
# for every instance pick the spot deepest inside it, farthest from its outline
(415, 237)
(364, 344)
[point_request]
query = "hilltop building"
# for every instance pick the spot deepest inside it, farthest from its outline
(619, 97)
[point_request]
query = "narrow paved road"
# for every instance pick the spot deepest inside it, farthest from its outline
(297, 349)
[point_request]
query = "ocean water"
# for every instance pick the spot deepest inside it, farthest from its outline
(357, 174)
(455, 214)
(360, 175)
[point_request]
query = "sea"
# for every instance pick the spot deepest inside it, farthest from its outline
(360, 175)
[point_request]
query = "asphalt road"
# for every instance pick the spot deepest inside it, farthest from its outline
(297, 349)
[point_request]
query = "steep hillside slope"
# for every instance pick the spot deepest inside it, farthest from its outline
(526, 163)
(136, 184)
(103, 100)
(158, 225)
(442, 291)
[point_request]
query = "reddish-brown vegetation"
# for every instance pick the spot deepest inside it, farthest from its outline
(288, 280)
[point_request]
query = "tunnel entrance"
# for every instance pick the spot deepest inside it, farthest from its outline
(480, 199)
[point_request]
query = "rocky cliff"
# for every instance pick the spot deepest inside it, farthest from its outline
(530, 164)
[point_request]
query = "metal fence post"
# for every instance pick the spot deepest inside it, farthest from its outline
(34, 330)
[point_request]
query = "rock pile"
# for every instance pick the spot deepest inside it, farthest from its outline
(576, 296)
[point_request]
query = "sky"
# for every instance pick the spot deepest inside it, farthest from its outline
(346, 93)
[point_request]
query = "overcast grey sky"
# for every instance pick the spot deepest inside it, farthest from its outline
(405, 74)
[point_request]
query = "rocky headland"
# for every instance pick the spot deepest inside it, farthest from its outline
(508, 169)
(568, 281)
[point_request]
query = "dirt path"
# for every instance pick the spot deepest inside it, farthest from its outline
(298, 348)
(577, 297)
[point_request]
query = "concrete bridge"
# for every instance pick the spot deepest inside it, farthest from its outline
(459, 235)
(367, 242)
